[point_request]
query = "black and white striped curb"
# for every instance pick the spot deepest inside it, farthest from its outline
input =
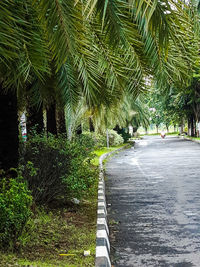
(190, 139)
(102, 237)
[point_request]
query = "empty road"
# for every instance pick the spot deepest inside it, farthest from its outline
(153, 199)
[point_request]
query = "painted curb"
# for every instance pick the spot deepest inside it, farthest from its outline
(102, 237)
(189, 139)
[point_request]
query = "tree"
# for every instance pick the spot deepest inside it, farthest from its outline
(109, 49)
(9, 130)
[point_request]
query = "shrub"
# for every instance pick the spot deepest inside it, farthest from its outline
(15, 202)
(81, 178)
(124, 133)
(82, 174)
(44, 165)
(96, 141)
(55, 168)
(114, 138)
(93, 140)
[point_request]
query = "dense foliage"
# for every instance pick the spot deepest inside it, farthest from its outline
(55, 168)
(114, 138)
(15, 202)
(100, 140)
(85, 58)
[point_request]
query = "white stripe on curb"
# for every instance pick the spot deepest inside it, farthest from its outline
(102, 256)
(102, 237)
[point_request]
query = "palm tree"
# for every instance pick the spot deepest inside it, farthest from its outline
(108, 48)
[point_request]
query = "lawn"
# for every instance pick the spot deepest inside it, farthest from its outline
(193, 138)
(57, 237)
(102, 151)
(152, 134)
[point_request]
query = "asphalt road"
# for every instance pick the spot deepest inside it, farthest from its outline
(153, 199)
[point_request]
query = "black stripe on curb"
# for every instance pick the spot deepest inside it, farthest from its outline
(189, 139)
(102, 237)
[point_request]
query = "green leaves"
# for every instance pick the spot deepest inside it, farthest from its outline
(99, 48)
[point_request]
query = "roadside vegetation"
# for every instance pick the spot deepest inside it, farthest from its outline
(48, 212)
(77, 76)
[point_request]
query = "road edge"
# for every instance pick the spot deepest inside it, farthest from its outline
(189, 139)
(102, 258)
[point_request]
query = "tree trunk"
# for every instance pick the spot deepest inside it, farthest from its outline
(189, 128)
(195, 128)
(117, 128)
(157, 128)
(174, 128)
(34, 119)
(79, 129)
(107, 138)
(192, 126)
(69, 133)
(91, 125)
(181, 127)
(9, 139)
(51, 119)
(61, 124)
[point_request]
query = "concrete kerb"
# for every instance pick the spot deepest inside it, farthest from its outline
(102, 236)
(189, 139)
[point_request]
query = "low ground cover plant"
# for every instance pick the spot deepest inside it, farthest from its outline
(15, 203)
(57, 236)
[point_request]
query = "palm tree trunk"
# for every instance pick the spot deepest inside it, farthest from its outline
(195, 128)
(189, 127)
(60, 119)
(34, 119)
(91, 125)
(192, 126)
(9, 132)
(51, 119)
(79, 129)
(117, 128)
(107, 138)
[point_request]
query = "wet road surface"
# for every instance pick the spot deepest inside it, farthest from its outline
(153, 199)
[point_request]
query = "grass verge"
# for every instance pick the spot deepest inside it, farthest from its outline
(102, 151)
(57, 237)
(152, 134)
(193, 138)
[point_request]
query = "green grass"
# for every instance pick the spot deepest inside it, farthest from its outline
(173, 133)
(102, 151)
(67, 229)
(193, 138)
(60, 229)
(152, 134)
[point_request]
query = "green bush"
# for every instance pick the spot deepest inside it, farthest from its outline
(124, 133)
(82, 174)
(56, 168)
(114, 138)
(93, 140)
(15, 202)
